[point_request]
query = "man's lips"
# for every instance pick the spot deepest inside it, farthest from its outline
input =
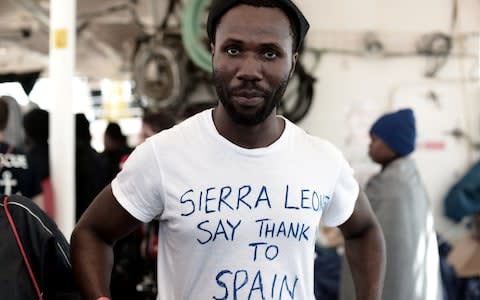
(248, 93)
(247, 101)
(248, 97)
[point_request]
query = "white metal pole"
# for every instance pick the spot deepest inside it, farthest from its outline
(62, 130)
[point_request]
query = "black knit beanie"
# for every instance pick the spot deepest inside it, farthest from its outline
(220, 7)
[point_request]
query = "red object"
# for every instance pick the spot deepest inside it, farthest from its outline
(123, 159)
(22, 250)
(154, 247)
(48, 199)
(103, 298)
(433, 145)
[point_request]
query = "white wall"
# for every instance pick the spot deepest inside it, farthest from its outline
(353, 90)
(390, 15)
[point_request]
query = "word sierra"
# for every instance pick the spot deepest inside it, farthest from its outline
(217, 199)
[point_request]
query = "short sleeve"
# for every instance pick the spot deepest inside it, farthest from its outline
(344, 196)
(139, 185)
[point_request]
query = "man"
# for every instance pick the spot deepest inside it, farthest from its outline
(36, 125)
(401, 204)
(238, 190)
(16, 173)
(116, 149)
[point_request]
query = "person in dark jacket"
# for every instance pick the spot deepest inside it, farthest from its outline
(90, 169)
(46, 249)
(116, 149)
(36, 127)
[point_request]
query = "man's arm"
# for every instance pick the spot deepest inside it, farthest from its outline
(104, 222)
(365, 250)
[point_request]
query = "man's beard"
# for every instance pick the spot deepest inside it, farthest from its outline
(271, 97)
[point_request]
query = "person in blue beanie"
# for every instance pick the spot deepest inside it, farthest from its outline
(400, 202)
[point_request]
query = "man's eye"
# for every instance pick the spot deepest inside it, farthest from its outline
(233, 51)
(270, 55)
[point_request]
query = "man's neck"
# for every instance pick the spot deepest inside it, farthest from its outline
(388, 163)
(250, 137)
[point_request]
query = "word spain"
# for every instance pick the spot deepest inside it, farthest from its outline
(240, 284)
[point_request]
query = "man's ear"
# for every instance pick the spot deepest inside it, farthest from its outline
(294, 63)
(212, 51)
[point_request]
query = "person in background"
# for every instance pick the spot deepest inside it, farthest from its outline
(17, 174)
(463, 197)
(154, 122)
(116, 149)
(44, 247)
(238, 190)
(134, 268)
(127, 267)
(401, 204)
(14, 134)
(90, 168)
(35, 123)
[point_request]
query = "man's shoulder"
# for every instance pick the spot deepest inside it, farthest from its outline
(185, 130)
(314, 142)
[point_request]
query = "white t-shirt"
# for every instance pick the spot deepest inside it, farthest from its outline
(235, 223)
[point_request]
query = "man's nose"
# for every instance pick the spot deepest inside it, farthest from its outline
(249, 69)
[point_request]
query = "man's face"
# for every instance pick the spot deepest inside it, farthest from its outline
(378, 151)
(252, 61)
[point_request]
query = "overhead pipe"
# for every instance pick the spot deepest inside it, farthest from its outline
(37, 11)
